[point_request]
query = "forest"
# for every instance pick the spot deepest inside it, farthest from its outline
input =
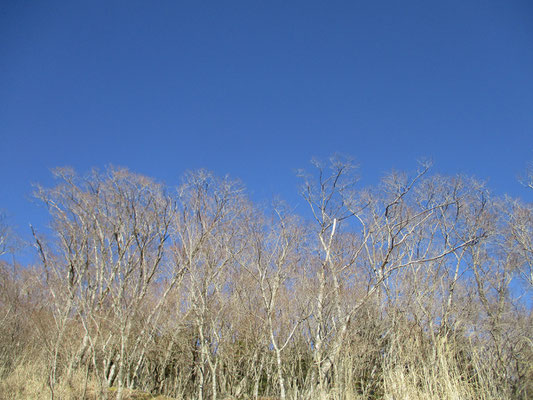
(418, 287)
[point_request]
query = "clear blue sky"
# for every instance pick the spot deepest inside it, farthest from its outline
(257, 88)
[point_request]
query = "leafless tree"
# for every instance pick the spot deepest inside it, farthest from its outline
(392, 233)
(418, 287)
(528, 179)
(273, 263)
(10, 242)
(208, 238)
(111, 233)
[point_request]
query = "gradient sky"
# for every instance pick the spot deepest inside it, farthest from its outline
(257, 88)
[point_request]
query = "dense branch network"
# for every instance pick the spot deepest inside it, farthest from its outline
(414, 288)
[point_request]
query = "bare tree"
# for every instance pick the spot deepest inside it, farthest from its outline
(391, 234)
(528, 179)
(4, 235)
(273, 263)
(414, 288)
(208, 238)
(111, 230)
(9, 240)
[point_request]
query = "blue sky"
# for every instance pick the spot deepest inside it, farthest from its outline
(257, 88)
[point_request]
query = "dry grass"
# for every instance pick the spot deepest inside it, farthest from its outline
(437, 376)
(440, 381)
(27, 383)
(411, 370)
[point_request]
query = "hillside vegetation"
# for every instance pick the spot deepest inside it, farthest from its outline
(417, 288)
